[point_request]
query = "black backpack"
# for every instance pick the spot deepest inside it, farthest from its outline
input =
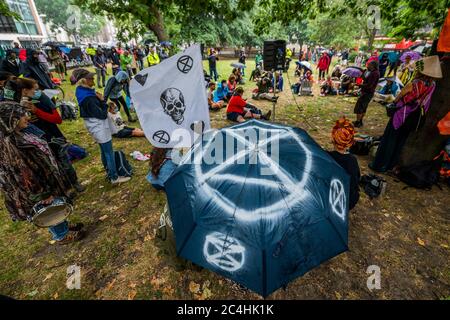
(373, 185)
(422, 175)
(362, 145)
(123, 167)
(68, 111)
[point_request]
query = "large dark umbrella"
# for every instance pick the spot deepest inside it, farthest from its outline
(263, 210)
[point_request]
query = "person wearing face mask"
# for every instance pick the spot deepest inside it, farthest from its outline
(113, 91)
(33, 69)
(43, 122)
(29, 173)
(94, 112)
(11, 63)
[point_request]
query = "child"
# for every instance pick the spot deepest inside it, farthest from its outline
(238, 109)
(117, 125)
(343, 138)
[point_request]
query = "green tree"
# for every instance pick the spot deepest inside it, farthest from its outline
(155, 14)
(6, 11)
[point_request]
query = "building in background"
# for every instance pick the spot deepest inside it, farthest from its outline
(29, 32)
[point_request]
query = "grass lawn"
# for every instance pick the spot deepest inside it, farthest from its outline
(405, 233)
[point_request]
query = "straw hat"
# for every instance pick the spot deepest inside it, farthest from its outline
(430, 66)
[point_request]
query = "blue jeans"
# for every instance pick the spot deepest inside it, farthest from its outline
(59, 231)
(108, 160)
(213, 73)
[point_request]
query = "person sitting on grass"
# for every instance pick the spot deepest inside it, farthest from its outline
(342, 135)
(262, 92)
(256, 73)
(388, 93)
(117, 125)
(231, 84)
(161, 167)
(29, 173)
(237, 73)
(214, 105)
(221, 92)
(327, 88)
(238, 109)
(347, 85)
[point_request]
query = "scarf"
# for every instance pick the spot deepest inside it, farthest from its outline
(28, 170)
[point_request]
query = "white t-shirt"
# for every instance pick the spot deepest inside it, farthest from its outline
(116, 122)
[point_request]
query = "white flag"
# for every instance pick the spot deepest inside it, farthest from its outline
(170, 100)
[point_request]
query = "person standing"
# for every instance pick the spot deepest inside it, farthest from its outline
(33, 69)
(412, 104)
(259, 59)
(125, 63)
(115, 60)
(384, 64)
(212, 61)
(140, 57)
(11, 63)
(56, 59)
(242, 58)
(370, 82)
(94, 112)
(100, 68)
(323, 65)
(153, 57)
(90, 51)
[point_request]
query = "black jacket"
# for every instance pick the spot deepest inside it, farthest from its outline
(11, 67)
(33, 69)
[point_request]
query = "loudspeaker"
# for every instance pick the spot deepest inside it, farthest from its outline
(274, 55)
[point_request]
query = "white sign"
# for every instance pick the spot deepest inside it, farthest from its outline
(171, 97)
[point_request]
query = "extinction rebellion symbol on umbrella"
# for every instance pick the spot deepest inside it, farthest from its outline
(224, 252)
(337, 198)
(185, 64)
(161, 136)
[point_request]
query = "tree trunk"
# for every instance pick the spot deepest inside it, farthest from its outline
(427, 143)
(157, 27)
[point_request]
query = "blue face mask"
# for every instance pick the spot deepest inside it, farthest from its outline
(37, 94)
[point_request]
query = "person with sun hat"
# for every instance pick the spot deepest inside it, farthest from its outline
(411, 104)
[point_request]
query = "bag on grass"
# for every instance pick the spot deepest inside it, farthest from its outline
(68, 110)
(123, 167)
(373, 185)
(76, 152)
(421, 175)
(362, 145)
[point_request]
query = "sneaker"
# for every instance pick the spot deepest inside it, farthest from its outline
(267, 115)
(120, 180)
(76, 226)
(71, 236)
